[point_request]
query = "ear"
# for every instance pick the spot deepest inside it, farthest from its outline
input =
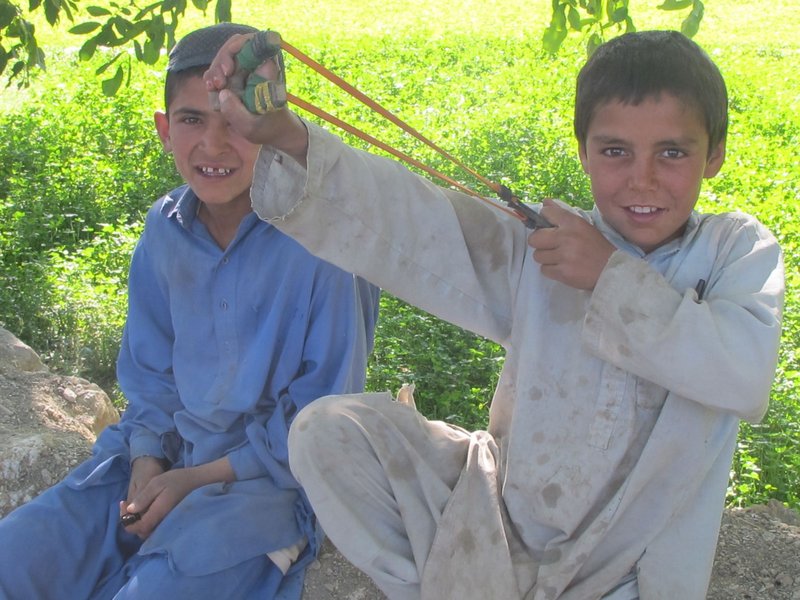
(583, 157)
(162, 127)
(715, 160)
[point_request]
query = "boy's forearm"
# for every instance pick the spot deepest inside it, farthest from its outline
(289, 135)
(638, 322)
(217, 471)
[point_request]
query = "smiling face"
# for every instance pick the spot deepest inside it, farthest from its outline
(646, 163)
(216, 162)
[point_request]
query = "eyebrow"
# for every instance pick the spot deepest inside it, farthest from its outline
(186, 111)
(610, 140)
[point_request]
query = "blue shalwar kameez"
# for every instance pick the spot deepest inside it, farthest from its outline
(220, 351)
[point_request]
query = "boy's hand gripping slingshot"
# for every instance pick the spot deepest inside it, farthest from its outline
(261, 96)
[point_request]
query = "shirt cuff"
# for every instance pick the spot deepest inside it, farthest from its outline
(145, 443)
(279, 183)
(245, 464)
(631, 300)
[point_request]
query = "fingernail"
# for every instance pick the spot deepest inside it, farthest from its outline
(130, 518)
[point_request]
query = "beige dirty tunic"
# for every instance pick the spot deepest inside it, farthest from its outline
(617, 410)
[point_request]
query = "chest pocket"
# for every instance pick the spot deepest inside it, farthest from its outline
(618, 391)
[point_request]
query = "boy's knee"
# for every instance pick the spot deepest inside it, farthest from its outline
(314, 419)
(310, 429)
(324, 428)
(332, 414)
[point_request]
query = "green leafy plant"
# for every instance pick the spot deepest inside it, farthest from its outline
(454, 372)
(79, 169)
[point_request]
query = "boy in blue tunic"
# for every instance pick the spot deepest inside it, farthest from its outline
(232, 328)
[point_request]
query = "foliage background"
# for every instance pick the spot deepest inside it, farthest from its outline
(80, 169)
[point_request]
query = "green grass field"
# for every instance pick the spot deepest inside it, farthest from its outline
(79, 169)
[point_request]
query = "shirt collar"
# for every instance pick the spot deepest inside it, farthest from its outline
(182, 205)
(667, 249)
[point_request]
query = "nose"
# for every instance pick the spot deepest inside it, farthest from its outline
(643, 174)
(215, 136)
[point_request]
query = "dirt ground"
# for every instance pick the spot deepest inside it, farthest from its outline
(758, 558)
(758, 555)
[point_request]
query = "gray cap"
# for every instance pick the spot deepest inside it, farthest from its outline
(199, 47)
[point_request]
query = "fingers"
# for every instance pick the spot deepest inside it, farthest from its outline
(555, 213)
(224, 63)
(140, 516)
(564, 221)
(269, 69)
(573, 252)
(241, 119)
(127, 517)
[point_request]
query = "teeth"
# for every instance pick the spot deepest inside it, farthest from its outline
(213, 171)
(643, 210)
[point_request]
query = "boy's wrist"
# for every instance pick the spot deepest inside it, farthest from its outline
(160, 460)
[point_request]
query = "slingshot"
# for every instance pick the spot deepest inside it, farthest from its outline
(261, 96)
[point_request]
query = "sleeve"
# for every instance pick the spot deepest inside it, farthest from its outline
(441, 250)
(338, 341)
(144, 365)
(721, 350)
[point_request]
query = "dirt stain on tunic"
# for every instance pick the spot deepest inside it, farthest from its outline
(550, 494)
(466, 541)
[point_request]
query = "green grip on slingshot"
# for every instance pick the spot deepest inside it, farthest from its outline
(259, 94)
(263, 96)
(260, 47)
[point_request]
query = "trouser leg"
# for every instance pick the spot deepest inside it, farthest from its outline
(378, 475)
(151, 576)
(62, 543)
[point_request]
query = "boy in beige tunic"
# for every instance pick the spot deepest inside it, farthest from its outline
(637, 335)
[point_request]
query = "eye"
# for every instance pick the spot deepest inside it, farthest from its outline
(613, 151)
(673, 153)
(190, 120)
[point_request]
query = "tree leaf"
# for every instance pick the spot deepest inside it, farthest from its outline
(675, 4)
(222, 12)
(574, 18)
(7, 14)
(124, 27)
(111, 86)
(691, 24)
(619, 15)
(552, 39)
(151, 53)
(51, 10)
(84, 28)
(592, 44)
(104, 67)
(88, 49)
(97, 11)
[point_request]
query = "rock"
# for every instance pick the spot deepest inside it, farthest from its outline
(48, 424)
(16, 356)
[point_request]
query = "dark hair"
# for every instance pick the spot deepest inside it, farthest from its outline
(640, 65)
(175, 80)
